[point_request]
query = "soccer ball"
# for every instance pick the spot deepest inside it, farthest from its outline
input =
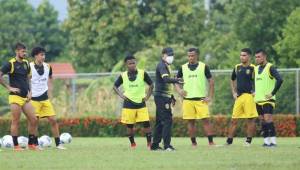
(65, 138)
(23, 141)
(7, 141)
(45, 141)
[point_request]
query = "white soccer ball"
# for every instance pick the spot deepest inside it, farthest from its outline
(45, 141)
(65, 138)
(23, 141)
(7, 141)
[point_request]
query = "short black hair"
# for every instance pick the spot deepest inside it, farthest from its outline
(247, 50)
(129, 57)
(37, 50)
(168, 50)
(193, 49)
(19, 46)
(260, 50)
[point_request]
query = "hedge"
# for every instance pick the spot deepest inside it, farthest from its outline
(286, 126)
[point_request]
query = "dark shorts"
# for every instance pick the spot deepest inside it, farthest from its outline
(264, 109)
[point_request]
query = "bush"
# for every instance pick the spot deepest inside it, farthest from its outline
(286, 126)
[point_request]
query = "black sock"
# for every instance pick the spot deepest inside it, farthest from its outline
(36, 142)
(249, 139)
(272, 130)
(210, 138)
(263, 128)
(266, 130)
(131, 139)
(15, 140)
(229, 141)
(57, 141)
(148, 137)
(31, 139)
(193, 139)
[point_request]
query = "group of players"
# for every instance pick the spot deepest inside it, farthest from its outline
(28, 93)
(253, 89)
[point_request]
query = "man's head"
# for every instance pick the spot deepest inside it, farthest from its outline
(20, 50)
(168, 55)
(193, 54)
(130, 62)
(260, 57)
(39, 54)
(245, 55)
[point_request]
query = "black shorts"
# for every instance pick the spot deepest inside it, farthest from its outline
(265, 108)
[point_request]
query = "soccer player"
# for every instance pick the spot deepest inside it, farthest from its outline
(163, 99)
(267, 83)
(194, 92)
(134, 107)
(41, 80)
(242, 87)
(18, 71)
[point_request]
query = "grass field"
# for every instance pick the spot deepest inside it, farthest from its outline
(114, 153)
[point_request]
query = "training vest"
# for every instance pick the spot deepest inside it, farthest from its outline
(134, 90)
(194, 81)
(264, 83)
(39, 83)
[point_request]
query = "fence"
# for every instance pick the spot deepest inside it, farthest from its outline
(92, 94)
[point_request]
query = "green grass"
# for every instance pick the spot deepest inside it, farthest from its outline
(114, 153)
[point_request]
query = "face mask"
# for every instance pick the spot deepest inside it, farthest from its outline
(170, 59)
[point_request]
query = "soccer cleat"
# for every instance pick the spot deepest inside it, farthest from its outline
(34, 147)
(156, 148)
(18, 148)
(169, 148)
(265, 145)
(211, 144)
(194, 145)
(61, 147)
(133, 145)
(272, 145)
(247, 144)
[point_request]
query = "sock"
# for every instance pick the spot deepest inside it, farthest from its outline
(267, 140)
(263, 127)
(15, 140)
(210, 138)
(229, 141)
(193, 139)
(249, 139)
(57, 141)
(131, 139)
(273, 140)
(36, 142)
(266, 130)
(148, 137)
(31, 139)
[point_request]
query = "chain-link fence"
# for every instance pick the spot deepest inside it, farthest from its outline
(92, 94)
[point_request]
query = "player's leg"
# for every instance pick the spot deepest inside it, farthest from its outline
(55, 131)
(142, 116)
(231, 131)
(157, 134)
(167, 124)
(250, 130)
(29, 112)
(208, 130)
(15, 121)
(192, 131)
(251, 115)
(130, 134)
(264, 129)
(129, 119)
(268, 118)
(147, 131)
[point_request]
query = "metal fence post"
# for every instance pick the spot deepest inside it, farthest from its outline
(73, 98)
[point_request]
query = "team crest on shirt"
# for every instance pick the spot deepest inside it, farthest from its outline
(248, 71)
(167, 106)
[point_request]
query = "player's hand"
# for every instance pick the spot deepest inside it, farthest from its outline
(179, 81)
(146, 98)
(173, 101)
(182, 93)
(29, 95)
(268, 96)
(207, 99)
(14, 90)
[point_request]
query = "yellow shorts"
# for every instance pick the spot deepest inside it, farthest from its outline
(195, 109)
(14, 99)
(43, 108)
(244, 107)
(131, 116)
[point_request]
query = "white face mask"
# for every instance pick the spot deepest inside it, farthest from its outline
(170, 59)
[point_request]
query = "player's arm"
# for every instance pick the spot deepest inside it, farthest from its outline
(233, 84)
(178, 87)
(50, 83)
(148, 80)
(29, 76)
(166, 78)
(211, 84)
(275, 74)
(4, 70)
(117, 84)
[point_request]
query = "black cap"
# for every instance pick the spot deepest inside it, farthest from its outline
(168, 50)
